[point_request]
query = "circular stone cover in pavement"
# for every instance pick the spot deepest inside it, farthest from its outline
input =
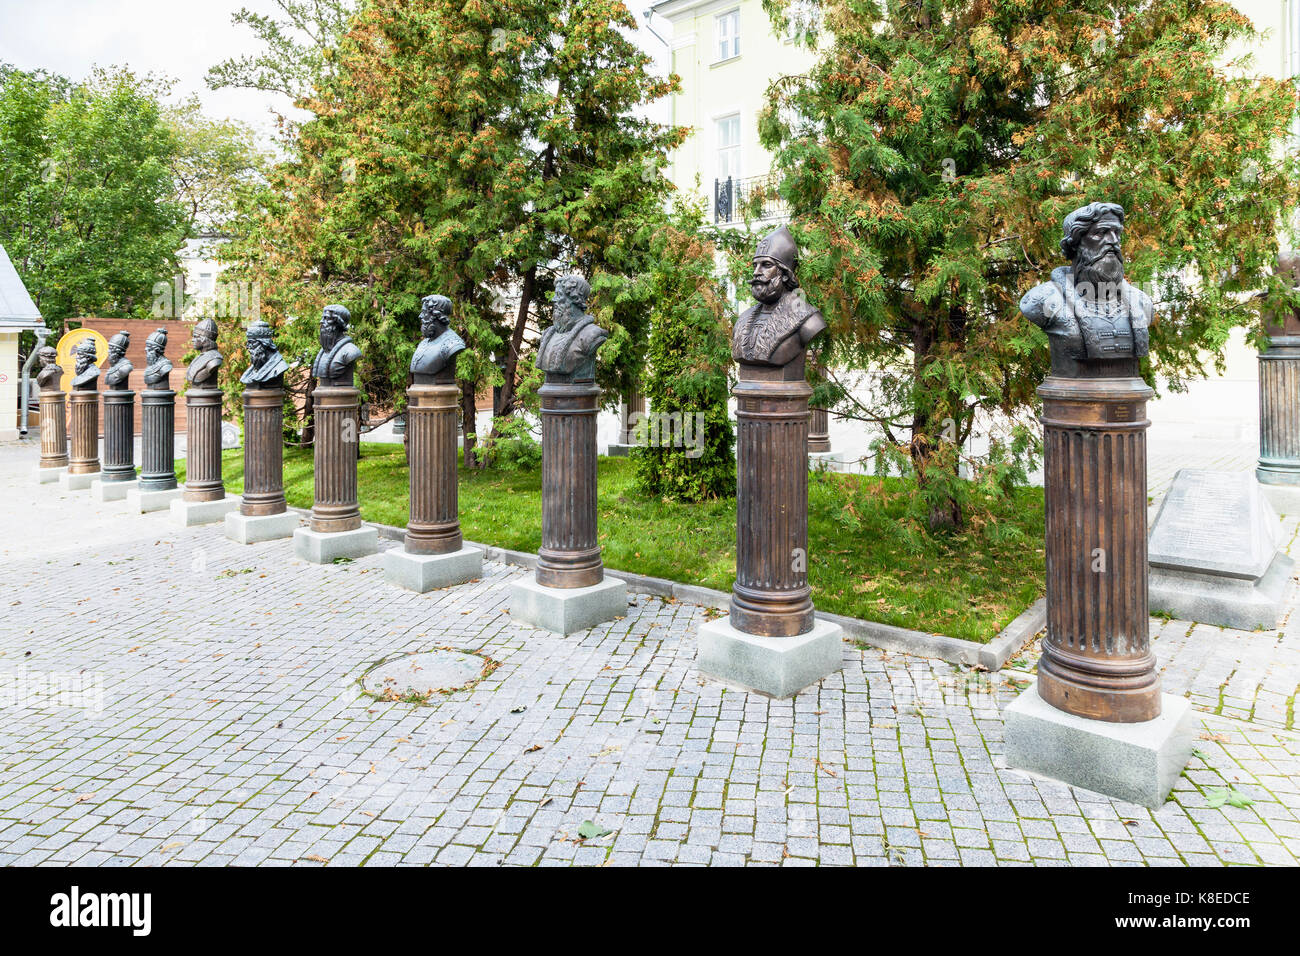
(424, 674)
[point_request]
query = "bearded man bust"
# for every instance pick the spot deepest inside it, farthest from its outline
(567, 351)
(1096, 322)
(773, 333)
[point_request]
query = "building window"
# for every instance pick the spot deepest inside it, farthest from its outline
(728, 139)
(205, 283)
(727, 28)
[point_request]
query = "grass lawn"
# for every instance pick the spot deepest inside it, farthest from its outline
(859, 563)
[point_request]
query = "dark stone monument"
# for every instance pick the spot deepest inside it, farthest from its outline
(771, 642)
(335, 530)
(83, 402)
(156, 489)
(1096, 717)
(118, 474)
(204, 500)
(433, 555)
(1279, 402)
(54, 421)
(263, 514)
(570, 592)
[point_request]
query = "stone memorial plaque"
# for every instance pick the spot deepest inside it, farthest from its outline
(1214, 552)
(1215, 521)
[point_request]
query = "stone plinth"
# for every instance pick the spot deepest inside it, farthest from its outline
(103, 490)
(776, 666)
(188, 514)
(567, 610)
(48, 476)
(143, 501)
(1138, 762)
(428, 572)
(337, 419)
(1097, 660)
(84, 434)
(54, 432)
(250, 529)
(263, 494)
(203, 446)
(1279, 412)
(1215, 552)
(157, 440)
(326, 547)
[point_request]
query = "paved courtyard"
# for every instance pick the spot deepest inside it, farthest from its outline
(209, 712)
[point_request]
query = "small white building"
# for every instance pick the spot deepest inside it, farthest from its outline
(18, 314)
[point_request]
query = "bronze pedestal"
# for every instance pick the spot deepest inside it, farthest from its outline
(1279, 411)
(263, 452)
(84, 406)
(431, 423)
(157, 440)
(771, 596)
(819, 431)
(203, 445)
(54, 429)
(1097, 660)
(569, 556)
(337, 410)
(119, 435)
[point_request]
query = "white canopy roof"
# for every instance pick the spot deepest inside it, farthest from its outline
(17, 310)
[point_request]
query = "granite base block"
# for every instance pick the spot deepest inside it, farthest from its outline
(188, 514)
(102, 490)
(1285, 499)
(566, 610)
(326, 547)
(776, 666)
(1134, 762)
(48, 476)
(250, 529)
(143, 501)
(70, 482)
(1241, 603)
(428, 572)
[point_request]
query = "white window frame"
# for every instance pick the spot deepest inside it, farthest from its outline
(736, 149)
(726, 35)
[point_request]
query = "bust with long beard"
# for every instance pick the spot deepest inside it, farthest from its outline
(338, 355)
(567, 350)
(1095, 320)
(776, 330)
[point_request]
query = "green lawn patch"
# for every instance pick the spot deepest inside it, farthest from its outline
(860, 563)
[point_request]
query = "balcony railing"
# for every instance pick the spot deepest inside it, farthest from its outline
(754, 198)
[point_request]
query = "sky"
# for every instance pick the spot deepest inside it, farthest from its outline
(180, 39)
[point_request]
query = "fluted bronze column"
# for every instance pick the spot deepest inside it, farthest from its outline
(84, 407)
(203, 445)
(819, 431)
(569, 556)
(771, 596)
(157, 439)
(1097, 660)
(431, 421)
(1279, 412)
(337, 411)
(119, 435)
(54, 429)
(633, 407)
(263, 452)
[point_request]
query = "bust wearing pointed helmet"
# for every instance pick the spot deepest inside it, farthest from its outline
(776, 330)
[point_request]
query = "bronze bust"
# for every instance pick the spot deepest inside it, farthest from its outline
(158, 367)
(338, 354)
(1095, 320)
(435, 355)
(776, 330)
(86, 376)
(202, 372)
(47, 379)
(567, 351)
(119, 369)
(266, 366)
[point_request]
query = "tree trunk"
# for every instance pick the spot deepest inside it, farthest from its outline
(468, 412)
(944, 514)
(506, 405)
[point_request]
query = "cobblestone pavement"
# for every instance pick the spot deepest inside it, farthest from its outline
(232, 728)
